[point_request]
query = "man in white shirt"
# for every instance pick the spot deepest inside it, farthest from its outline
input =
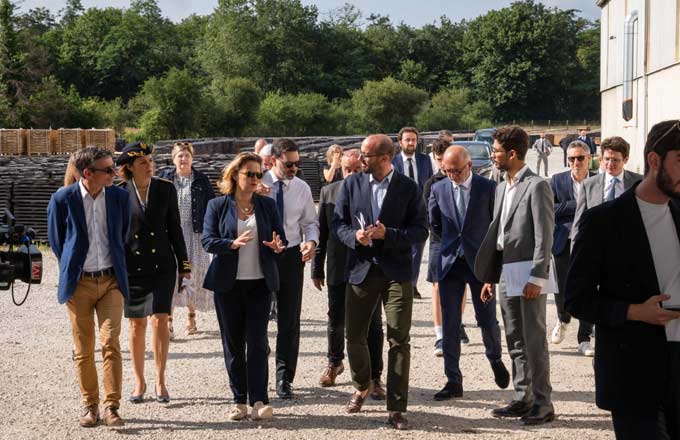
(295, 204)
(625, 278)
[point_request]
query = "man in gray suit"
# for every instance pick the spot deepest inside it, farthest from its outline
(604, 187)
(518, 244)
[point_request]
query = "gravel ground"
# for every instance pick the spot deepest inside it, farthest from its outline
(41, 399)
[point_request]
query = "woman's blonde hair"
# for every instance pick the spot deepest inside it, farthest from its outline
(331, 150)
(227, 183)
(71, 175)
(178, 147)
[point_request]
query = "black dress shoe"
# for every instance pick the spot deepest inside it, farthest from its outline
(416, 294)
(500, 374)
(450, 391)
(464, 339)
(539, 415)
(284, 390)
(516, 408)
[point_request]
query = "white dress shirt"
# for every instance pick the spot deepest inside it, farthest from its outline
(405, 159)
(299, 215)
(98, 254)
(576, 186)
(608, 180)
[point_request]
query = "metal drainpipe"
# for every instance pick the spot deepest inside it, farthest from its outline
(629, 40)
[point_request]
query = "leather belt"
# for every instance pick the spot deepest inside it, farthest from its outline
(100, 273)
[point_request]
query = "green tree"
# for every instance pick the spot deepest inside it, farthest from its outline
(306, 114)
(387, 105)
(73, 9)
(234, 106)
(10, 57)
(453, 109)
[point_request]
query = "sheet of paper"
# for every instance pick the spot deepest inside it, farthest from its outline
(516, 276)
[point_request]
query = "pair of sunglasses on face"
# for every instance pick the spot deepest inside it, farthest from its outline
(251, 174)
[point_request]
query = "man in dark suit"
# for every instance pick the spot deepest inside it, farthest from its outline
(564, 144)
(418, 167)
(380, 215)
(566, 186)
(329, 246)
(583, 137)
(518, 244)
(87, 226)
(461, 209)
(625, 278)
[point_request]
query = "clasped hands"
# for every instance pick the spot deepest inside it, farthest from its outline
(372, 232)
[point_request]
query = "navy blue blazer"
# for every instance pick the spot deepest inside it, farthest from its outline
(565, 209)
(201, 193)
(403, 214)
(443, 220)
(220, 230)
(67, 234)
(423, 164)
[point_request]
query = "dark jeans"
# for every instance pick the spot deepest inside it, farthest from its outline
(585, 328)
(289, 305)
(243, 315)
(451, 291)
(397, 299)
(336, 331)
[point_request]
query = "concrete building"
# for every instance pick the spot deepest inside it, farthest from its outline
(640, 69)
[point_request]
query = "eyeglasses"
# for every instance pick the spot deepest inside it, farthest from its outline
(107, 170)
(673, 127)
(574, 158)
(251, 174)
(292, 164)
(497, 151)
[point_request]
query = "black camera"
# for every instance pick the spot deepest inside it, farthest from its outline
(22, 261)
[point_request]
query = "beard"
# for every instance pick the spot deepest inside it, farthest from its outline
(666, 185)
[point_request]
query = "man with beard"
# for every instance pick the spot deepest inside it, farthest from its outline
(517, 244)
(603, 187)
(296, 208)
(625, 278)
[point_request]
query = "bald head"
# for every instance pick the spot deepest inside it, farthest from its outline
(457, 164)
(379, 144)
(376, 155)
(259, 144)
(351, 163)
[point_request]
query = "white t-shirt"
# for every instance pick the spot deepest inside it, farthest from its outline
(249, 255)
(665, 246)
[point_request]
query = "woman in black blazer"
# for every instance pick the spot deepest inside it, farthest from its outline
(154, 254)
(245, 233)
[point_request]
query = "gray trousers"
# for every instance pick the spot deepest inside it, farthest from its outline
(542, 157)
(525, 334)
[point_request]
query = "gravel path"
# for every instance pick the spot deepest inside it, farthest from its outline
(40, 397)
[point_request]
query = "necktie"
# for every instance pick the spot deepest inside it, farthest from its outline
(542, 145)
(411, 174)
(279, 199)
(611, 195)
(461, 211)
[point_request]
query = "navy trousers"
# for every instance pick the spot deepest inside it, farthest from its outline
(451, 291)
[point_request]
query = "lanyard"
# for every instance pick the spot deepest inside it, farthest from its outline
(146, 200)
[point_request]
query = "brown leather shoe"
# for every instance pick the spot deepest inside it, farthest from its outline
(329, 374)
(378, 392)
(111, 417)
(398, 421)
(356, 402)
(89, 417)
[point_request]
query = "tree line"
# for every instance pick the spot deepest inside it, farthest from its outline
(278, 67)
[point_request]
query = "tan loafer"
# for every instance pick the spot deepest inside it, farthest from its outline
(261, 411)
(111, 417)
(238, 412)
(89, 417)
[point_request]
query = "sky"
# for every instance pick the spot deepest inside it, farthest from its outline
(412, 12)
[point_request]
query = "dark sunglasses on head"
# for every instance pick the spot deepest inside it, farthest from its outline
(252, 174)
(292, 164)
(579, 158)
(107, 170)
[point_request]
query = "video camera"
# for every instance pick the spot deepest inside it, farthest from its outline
(24, 263)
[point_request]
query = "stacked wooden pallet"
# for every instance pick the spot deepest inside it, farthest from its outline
(12, 142)
(68, 140)
(39, 142)
(105, 138)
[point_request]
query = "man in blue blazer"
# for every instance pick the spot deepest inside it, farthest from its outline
(418, 167)
(379, 216)
(87, 226)
(461, 209)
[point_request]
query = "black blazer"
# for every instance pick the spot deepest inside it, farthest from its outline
(329, 245)
(612, 267)
(201, 193)
(403, 214)
(565, 209)
(155, 243)
(221, 228)
(427, 189)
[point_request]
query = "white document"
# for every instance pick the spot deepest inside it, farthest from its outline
(362, 223)
(516, 276)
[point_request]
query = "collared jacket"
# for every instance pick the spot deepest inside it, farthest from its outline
(201, 193)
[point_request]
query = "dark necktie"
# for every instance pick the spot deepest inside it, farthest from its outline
(411, 174)
(279, 199)
(460, 213)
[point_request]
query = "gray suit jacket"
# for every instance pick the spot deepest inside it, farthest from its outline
(592, 194)
(528, 230)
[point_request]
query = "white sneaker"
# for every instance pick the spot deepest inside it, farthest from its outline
(238, 412)
(559, 332)
(585, 349)
(439, 348)
(261, 411)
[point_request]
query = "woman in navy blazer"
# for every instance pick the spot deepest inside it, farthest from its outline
(244, 232)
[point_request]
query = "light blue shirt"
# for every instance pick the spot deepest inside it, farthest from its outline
(378, 192)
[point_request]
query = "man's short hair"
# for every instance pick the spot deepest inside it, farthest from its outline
(407, 130)
(86, 157)
(662, 138)
(439, 146)
(444, 133)
(282, 146)
(513, 137)
(579, 144)
(616, 143)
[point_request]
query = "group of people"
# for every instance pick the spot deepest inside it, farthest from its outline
(127, 249)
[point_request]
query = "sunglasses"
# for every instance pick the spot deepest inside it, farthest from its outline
(292, 164)
(250, 174)
(573, 158)
(107, 170)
